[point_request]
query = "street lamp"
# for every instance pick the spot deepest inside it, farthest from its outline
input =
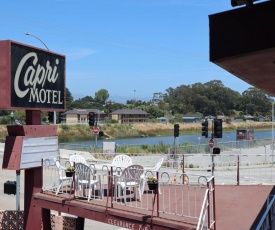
(38, 39)
(28, 34)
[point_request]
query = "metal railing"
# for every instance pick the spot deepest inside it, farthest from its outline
(179, 196)
(238, 164)
(224, 146)
(268, 219)
(207, 219)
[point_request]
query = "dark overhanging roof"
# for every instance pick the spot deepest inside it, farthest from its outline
(129, 111)
(242, 41)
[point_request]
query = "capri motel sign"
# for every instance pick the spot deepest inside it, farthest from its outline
(36, 79)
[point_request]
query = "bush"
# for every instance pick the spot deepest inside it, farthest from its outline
(113, 121)
(65, 127)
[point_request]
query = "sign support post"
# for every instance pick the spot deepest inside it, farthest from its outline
(211, 145)
(33, 182)
(95, 132)
(18, 190)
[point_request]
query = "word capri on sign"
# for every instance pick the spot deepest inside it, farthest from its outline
(35, 77)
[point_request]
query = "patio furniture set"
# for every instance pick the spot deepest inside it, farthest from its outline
(87, 181)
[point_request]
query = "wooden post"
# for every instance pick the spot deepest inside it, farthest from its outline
(33, 183)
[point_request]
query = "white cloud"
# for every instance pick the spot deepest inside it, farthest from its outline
(79, 53)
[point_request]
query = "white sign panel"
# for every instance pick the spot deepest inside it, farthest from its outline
(109, 147)
(35, 149)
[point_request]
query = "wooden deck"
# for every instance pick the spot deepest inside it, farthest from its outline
(237, 207)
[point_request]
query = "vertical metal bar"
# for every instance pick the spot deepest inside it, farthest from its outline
(238, 170)
(214, 202)
(212, 156)
(272, 130)
(157, 191)
(183, 168)
(208, 206)
(211, 149)
(111, 184)
(18, 190)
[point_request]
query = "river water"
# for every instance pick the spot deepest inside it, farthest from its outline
(194, 139)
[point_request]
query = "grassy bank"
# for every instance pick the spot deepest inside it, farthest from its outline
(72, 133)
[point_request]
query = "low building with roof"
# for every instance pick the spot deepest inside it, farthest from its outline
(248, 118)
(164, 120)
(80, 116)
(191, 118)
(128, 116)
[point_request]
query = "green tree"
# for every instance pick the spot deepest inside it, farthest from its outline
(155, 112)
(207, 99)
(69, 99)
(255, 101)
(83, 103)
(101, 97)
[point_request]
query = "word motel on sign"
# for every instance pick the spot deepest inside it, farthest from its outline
(37, 75)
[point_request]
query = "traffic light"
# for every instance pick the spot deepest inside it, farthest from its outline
(204, 128)
(217, 128)
(50, 117)
(216, 150)
(60, 117)
(91, 118)
(176, 130)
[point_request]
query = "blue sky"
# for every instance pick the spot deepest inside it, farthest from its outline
(131, 48)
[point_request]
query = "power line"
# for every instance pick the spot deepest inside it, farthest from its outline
(100, 39)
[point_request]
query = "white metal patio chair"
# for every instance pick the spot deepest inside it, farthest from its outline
(130, 178)
(76, 158)
(122, 161)
(86, 178)
(151, 172)
(63, 180)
